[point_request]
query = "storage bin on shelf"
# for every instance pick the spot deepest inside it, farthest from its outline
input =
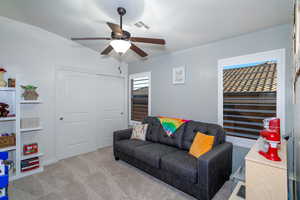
(32, 122)
(7, 140)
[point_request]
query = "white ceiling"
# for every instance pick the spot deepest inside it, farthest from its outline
(183, 24)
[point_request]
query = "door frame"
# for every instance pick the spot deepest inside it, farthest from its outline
(59, 69)
(277, 55)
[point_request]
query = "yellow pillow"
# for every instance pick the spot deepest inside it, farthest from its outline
(202, 143)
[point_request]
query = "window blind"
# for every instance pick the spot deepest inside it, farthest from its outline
(139, 98)
(249, 97)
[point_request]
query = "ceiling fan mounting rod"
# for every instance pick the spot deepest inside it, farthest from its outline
(122, 12)
(121, 22)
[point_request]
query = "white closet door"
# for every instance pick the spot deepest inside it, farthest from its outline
(114, 108)
(82, 104)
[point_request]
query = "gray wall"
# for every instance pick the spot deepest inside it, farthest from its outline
(238, 156)
(197, 99)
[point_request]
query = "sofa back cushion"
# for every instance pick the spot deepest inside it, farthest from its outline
(174, 140)
(192, 127)
(156, 133)
(184, 136)
(153, 128)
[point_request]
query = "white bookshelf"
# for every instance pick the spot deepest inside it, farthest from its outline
(22, 104)
(12, 96)
(10, 125)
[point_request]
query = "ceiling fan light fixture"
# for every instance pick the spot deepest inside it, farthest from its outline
(120, 46)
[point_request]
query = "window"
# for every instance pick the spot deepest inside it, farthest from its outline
(140, 88)
(254, 89)
(249, 96)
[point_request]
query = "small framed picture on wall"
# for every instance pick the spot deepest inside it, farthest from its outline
(179, 75)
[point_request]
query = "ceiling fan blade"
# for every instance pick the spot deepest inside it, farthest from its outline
(107, 50)
(115, 27)
(148, 40)
(138, 50)
(92, 38)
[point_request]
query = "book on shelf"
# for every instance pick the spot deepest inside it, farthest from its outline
(30, 162)
(29, 149)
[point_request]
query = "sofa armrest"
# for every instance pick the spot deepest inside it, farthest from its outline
(214, 168)
(122, 134)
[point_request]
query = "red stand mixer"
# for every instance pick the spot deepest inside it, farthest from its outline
(271, 134)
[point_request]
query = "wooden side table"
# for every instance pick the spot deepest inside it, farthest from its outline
(266, 179)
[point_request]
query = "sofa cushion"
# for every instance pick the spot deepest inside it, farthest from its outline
(192, 127)
(156, 133)
(152, 153)
(153, 128)
(128, 146)
(181, 164)
(173, 140)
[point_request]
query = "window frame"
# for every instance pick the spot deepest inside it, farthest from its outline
(133, 76)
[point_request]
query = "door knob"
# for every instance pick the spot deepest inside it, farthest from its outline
(61, 118)
(122, 113)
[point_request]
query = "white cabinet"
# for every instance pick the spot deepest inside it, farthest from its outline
(266, 179)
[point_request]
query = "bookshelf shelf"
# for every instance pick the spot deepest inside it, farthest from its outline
(31, 101)
(31, 156)
(8, 89)
(8, 148)
(32, 172)
(31, 129)
(3, 119)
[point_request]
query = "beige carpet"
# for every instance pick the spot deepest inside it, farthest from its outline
(97, 176)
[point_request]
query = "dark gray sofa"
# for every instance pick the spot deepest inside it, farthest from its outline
(167, 158)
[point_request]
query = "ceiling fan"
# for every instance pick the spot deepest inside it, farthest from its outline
(121, 40)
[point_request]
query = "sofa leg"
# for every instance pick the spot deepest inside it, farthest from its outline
(117, 158)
